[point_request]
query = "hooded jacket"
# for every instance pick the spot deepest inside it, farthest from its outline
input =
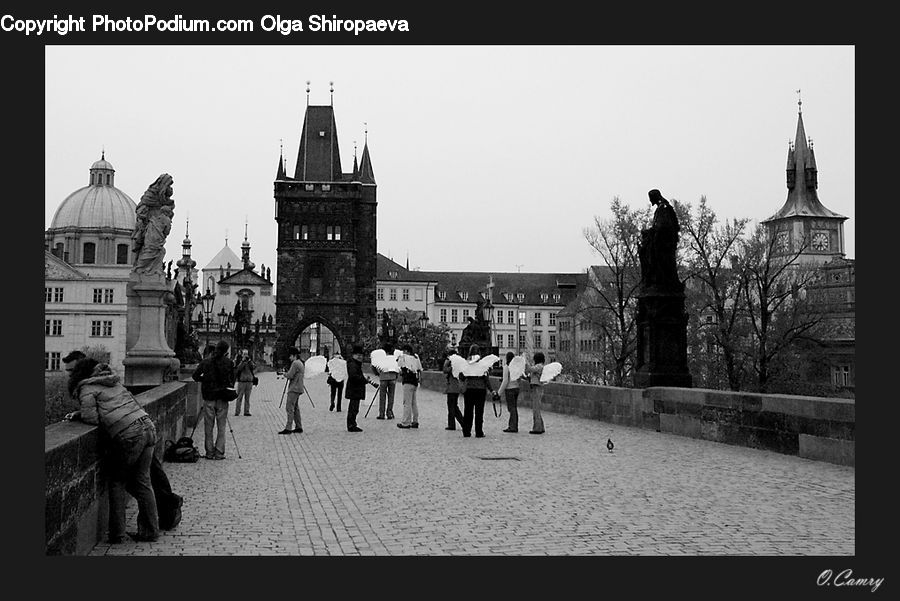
(105, 402)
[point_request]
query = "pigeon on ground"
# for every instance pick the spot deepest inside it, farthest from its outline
(609, 444)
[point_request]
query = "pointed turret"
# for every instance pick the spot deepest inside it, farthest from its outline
(366, 174)
(355, 177)
(280, 175)
(319, 158)
(802, 180)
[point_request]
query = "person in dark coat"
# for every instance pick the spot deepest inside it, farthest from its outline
(453, 390)
(215, 374)
(473, 398)
(356, 387)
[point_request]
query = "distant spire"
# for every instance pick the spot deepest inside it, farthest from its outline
(407, 260)
(307, 92)
(226, 236)
(103, 153)
(331, 91)
(355, 165)
(245, 228)
(280, 173)
(187, 227)
(799, 102)
(366, 174)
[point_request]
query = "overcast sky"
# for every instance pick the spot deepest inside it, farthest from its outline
(487, 158)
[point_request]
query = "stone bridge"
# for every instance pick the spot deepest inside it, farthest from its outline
(692, 473)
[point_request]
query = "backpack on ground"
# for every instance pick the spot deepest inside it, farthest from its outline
(181, 451)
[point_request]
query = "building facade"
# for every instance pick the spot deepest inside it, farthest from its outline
(87, 263)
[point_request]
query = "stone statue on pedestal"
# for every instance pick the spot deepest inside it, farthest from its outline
(661, 320)
(153, 221)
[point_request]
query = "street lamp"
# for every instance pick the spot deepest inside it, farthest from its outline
(423, 321)
(207, 300)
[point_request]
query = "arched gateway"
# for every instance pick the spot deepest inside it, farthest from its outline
(326, 238)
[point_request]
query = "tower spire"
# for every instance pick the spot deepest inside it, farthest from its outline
(799, 102)
(331, 91)
(307, 92)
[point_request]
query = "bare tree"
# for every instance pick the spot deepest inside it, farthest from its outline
(775, 294)
(713, 258)
(611, 299)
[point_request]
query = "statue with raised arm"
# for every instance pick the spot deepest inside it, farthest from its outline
(153, 221)
(658, 246)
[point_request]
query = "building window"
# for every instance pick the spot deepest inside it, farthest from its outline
(453, 316)
(537, 340)
(511, 317)
(48, 294)
(379, 295)
(443, 315)
(464, 295)
(95, 327)
(57, 295)
(51, 361)
(98, 295)
(393, 294)
(304, 232)
(296, 232)
(841, 375)
(510, 340)
(552, 319)
(329, 232)
(418, 294)
(309, 187)
(544, 297)
(405, 294)
(53, 327)
(521, 318)
(337, 232)
(121, 254)
(521, 341)
(442, 295)
(326, 187)
(90, 253)
(465, 315)
(553, 341)
(108, 295)
(499, 316)
(537, 318)
(107, 328)
(556, 297)
(520, 296)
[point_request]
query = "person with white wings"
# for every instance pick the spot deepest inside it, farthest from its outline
(509, 388)
(387, 382)
(478, 383)
(410, 369)
(453, 390)
(336, 384)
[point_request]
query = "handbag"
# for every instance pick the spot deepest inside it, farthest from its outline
(227, 394)
(181, 451)
(255, 380)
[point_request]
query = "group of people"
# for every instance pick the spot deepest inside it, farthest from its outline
(475, 389)
(128, 446)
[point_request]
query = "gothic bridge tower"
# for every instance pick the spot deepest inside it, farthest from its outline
(326, 239)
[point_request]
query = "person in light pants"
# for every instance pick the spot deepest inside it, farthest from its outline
(410, 368)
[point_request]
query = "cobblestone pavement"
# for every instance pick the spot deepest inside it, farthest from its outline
(387, 491)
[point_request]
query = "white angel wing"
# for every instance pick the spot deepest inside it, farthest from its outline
(338, 369)
(488, 362)
(550, 371)
(382, 362)
(314, 366)
(457, 364)
(517, 367)
(377, 357)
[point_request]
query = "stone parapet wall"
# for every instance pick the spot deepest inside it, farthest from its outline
(75, 482)
(815, 428)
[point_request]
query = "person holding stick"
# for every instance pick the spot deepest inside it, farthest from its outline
(356, 387)
(295, 388)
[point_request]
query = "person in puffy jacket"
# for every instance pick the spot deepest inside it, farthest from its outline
(106, 403)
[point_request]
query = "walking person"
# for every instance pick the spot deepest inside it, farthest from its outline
(536, 389)
(473, 397)
(510, 388)
(387, 382)
(294, 376)
(216, 375)
(453, 390)
(356, 387)
(335, 386)
(106, 403)
(245, 382)
(410, 371)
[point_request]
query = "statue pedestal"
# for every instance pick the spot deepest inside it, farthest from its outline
(149, 360)
(661, 341)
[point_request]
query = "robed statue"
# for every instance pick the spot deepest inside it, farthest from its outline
(153, 221)
(659, 272)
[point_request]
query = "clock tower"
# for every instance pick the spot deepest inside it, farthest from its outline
(803, 224)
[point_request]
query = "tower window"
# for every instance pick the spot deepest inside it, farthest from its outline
(296, 232)
(304, 232)
(90, 252)
(107, 179)
(121, 254)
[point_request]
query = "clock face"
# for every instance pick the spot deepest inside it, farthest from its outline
(820, 241)
(782, 242)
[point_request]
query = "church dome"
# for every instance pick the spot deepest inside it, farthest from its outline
(98, 205)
